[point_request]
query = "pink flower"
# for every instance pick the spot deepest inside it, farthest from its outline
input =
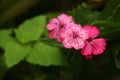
(93, 46)
(57, 24)
(74, 36)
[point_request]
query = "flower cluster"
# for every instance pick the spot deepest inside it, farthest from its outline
(73, 35)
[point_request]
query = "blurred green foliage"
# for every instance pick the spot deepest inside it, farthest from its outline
(28, 54)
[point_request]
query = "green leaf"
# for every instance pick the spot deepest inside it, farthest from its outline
(31, 30)
(108, 29)
(109, 8)
(5, 37)
(84, 15)
(116, 15)
(45, 55)
(51, 42)
(6, 32)
(3, 67)
(116, 51)
(15, 52)
(52, 15)
(111, 26)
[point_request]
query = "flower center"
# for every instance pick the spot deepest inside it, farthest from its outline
(75, 35)
(61, 26)
(90, 40)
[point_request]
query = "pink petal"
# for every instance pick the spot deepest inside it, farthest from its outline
(77, 29)
(83, 34)
(64, 19)
(87, 50)
(53, 33)
(75, 26)
(98, 46)
(67, 42)
(65, 33)
(56, 25)
(93, 31)
(78, 44)
(58, 37)
(89, 56)
(53, 24)
(69, 29)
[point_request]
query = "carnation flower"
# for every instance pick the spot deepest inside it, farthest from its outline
(74, 36)
(57, 24)
(93, 46)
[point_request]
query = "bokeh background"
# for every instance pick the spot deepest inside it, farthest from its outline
(14, 12)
